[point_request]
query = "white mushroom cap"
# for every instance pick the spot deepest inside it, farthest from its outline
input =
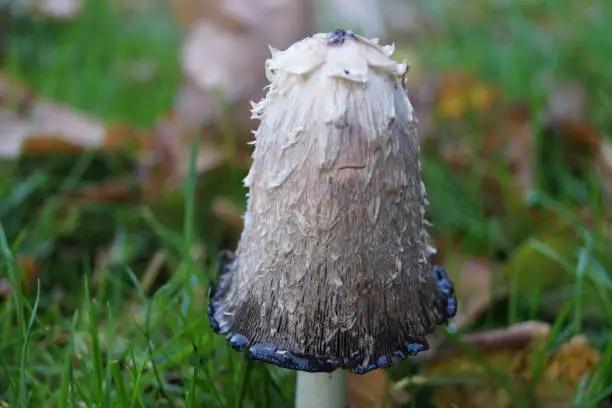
(332, 266)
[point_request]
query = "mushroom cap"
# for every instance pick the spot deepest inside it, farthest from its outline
(332, 268)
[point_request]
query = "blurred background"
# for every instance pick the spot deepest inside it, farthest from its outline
(123, 144)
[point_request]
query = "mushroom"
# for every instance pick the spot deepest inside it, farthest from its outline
(332, 269)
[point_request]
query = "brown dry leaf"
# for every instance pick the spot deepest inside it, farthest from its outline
(514, 135)
(225, 210)
(226, 47)
(473, 286)
(515, 337)
(462, 104)
(513, 352)
(565, 126)
(29, 267)
(57, 9)
(460, 93)
(604, 165)
(168, 160)
(368, 390)
(470, 123)
(6, 289)
(31, 126)
(53, 9)
(474, 291)
(568, 101)
(223, 59)
(186, 12)
(14, 95)
(444, 102)
(583, 146)
(52, 126)
(572, 360)
(29, 272)
(163, 162)
(112, 191)
(35, 126)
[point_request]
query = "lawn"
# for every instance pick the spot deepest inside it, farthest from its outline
(104, 278)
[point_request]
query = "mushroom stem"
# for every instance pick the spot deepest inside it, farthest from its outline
(321, 390)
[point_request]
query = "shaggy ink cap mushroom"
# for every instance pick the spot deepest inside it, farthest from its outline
(332, 268)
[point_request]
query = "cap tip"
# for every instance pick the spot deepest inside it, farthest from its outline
(338, 36)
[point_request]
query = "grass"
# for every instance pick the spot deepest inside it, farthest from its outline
(128, 327)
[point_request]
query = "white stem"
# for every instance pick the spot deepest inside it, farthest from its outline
(321, 390)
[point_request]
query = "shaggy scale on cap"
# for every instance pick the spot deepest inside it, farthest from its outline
(332, 267)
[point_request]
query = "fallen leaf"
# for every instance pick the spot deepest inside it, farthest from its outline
(31, 126)
(29, 268)
(566, 101)
(49, 120)
(577, 141)
(474, 291)
(225, 49)
(398, 395)
(111, 191)
(53, 9)
(223, 59)
(572, 360)
(517, 140)
(513, 353)
(515, 337)
(569, 143)
(167, 162)
(14, 95)
(368, 390)
(35, 126)
(452, 106)
(187, 12)
(57, 9)
(459, 93)
(6, 289)
(227, 212)
(473, 280)
(217, 58)
(566, 128)
(152, 271)
(603, 164)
